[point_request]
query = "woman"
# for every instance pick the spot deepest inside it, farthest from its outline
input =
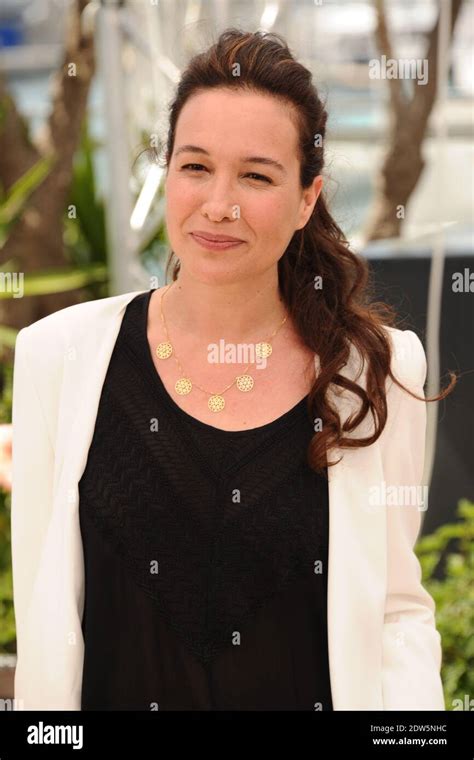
(200, 516)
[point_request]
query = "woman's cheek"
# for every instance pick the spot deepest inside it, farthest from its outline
(271, 216)
(180, 202)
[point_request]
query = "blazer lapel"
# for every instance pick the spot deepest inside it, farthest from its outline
(357, 561)
(356, 583)
(84, 375)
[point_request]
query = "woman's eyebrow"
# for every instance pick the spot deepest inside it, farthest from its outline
(246, 159)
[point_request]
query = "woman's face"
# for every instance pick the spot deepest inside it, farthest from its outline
(216, 189)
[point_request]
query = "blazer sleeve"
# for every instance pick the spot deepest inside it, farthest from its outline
(412, 652)
(32, 483)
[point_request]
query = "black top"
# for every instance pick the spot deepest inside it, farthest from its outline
(205, 552)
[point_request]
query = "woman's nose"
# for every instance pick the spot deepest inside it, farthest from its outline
(220, 201)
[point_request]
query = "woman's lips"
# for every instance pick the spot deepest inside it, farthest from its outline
(215, 245)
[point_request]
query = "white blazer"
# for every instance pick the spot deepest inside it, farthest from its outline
(384, 648)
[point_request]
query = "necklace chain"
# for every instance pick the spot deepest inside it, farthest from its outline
(183, 386)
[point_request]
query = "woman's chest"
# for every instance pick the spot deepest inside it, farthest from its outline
(275, 388)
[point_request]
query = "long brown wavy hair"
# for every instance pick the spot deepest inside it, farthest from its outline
(343, 314)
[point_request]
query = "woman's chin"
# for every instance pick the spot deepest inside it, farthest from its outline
(215, 273)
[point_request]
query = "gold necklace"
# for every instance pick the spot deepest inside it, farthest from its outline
(183, 386)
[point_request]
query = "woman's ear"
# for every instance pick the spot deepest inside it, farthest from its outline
(309, 199)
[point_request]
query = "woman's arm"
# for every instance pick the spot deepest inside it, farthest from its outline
(411, 643)
(32, 486)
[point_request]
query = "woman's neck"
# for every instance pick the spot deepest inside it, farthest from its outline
(238, 312)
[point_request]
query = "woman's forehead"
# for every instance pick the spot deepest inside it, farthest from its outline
(242, 125)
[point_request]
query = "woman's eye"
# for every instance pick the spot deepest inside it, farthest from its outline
(191, 166)
(260, 176)
(198, 167)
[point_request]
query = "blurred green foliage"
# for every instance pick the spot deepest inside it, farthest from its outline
(85, 236)
(447, 561)
(13, 202)
(7, 619)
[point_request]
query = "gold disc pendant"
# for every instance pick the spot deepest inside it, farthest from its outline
(164, 350)
(216, 403)
(183, 386)
(244, 383)
(263, 350)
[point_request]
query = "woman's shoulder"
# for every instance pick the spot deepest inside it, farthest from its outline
(408, 366)
(68, 323)
(408, 355)
(45, 348)
(408, 359)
